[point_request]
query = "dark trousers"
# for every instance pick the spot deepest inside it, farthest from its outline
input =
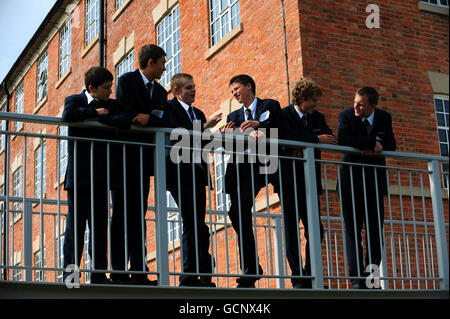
(98, 227)
(291, 229)
(242, 220)
(135, 239)
(373, 228)
(193, 219)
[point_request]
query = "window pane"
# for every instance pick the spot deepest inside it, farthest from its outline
(440, 119)
(439, 105)
(444, 149)
(442, 136)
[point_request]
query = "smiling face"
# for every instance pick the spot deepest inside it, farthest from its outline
(186, 92)
(362, 107)
(242, 93)
(308, 106)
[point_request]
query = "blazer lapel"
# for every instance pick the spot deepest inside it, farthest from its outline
(141, 91)
(84, 97)
(376, 123)
(183, 116)
(258, 110)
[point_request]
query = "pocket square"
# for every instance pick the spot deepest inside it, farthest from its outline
(264, 116)
(158, 113)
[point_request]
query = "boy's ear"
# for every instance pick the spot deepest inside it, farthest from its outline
(89, 88)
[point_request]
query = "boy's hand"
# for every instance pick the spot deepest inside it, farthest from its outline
(102, 111)
(227, 127)
(141, 119)
(249, 124)
(213, 121)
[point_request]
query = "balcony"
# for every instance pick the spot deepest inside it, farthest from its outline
(34, 210)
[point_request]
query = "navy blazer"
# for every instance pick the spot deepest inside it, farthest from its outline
(292, 128)
(76, 108)
(262, 105)
(133, 97)
(178, 118)
(352, 132)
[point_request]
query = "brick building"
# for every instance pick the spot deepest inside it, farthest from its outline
(405, 57)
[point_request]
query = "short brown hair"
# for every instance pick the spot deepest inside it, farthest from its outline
(304, 89)
(244, 79)
(177, 80)
(149, 51)
(96, 76)
(371, 93)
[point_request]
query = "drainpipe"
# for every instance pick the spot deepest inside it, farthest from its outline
(6, 185)
(101, 36)
(286, 54)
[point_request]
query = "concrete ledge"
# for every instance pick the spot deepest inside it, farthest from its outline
(22, 290)
(423, 6)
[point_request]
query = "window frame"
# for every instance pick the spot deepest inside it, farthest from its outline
(91, 26)
(125, 65)
(40, 164)
(39, 261)
(65, 48)
(444, 127)
(223, 200)
(63, 151)
(219, 17)
(439, 3)
(170, 41)
(17, 189)
(42, 88)
(19, 104)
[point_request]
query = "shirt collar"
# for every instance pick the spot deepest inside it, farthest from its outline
(370, 118)
(144, 78)
(299, 112)
(89, 97)
(184, 105)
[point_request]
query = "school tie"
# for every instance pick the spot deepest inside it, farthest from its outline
(191, 113)
(368, 126)
(249, 114)
(304, 120)
(149, 87)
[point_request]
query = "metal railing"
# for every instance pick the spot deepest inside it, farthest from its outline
(415, 232)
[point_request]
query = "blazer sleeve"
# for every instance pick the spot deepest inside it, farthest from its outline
(75, 109)
(117, 116)
(388, 142)
(125, 97)
(346, 137)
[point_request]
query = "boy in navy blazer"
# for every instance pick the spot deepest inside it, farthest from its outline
(192, 197)
(145, 99)
(255, 114)
(368, 129)
(83, 176)
(300, 122)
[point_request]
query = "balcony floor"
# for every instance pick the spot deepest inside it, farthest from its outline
(25, 290)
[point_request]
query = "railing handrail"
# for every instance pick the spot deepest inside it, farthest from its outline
(9, 116)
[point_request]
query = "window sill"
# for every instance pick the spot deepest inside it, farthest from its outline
(427, 7)
(121, 9)
(13, 137)
(224, 41)
(63, 78)
(90, 46)
(40, 104)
